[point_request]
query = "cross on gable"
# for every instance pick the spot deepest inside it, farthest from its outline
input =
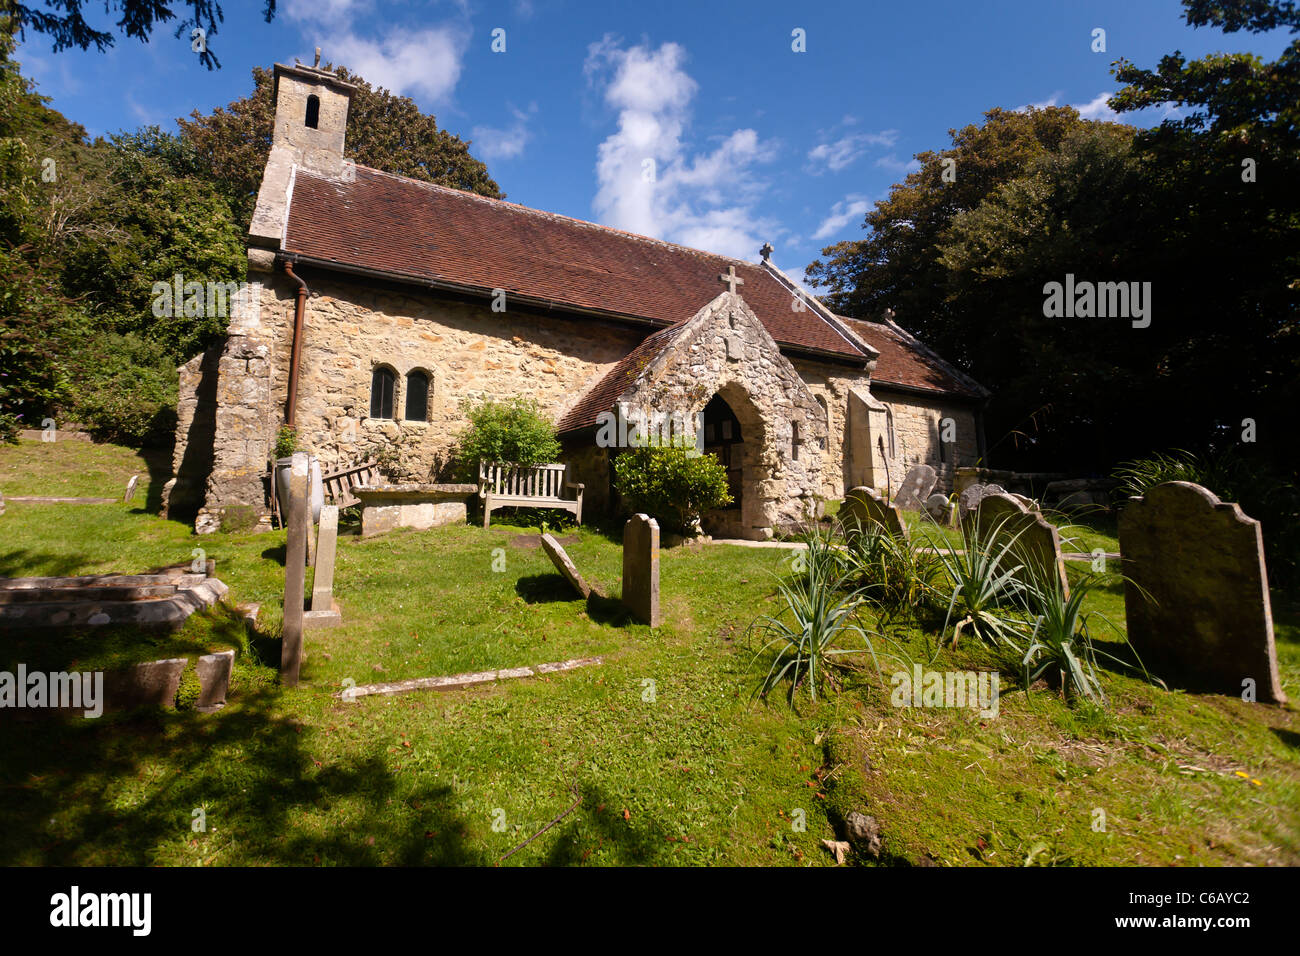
(731, 279)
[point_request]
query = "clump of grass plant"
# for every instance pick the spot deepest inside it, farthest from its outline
(818, 618)
(979, 585)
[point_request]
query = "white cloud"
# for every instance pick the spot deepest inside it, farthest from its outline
(900, 166)
(424, 62)
(846, 150)
(1098, 108)
(495, 143)
(648, 180)
(334, 12)
(850, 209)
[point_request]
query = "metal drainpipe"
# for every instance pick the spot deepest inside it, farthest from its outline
(299, 308)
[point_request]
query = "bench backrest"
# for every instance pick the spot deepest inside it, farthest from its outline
(526, 481)
(338, 485)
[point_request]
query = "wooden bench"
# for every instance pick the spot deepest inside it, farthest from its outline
(527, 486)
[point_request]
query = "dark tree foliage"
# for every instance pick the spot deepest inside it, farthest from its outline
(1205, 207)
(65, 23)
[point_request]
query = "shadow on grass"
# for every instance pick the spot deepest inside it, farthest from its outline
(545, 589)
(1288, 737)
(277, 553)
(598, 825)
(20, 564)
(121, 790)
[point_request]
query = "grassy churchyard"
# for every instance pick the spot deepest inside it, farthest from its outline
(669, 758)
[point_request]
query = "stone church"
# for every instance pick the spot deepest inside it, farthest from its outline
(378, 304)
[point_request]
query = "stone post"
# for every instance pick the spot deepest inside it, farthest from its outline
(295, 570)
(322, 585)
(641, 568)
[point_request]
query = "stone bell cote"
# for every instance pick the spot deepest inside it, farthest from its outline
(311, 116)
(311, 119)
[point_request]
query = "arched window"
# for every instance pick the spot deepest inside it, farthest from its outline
(417, 397)
(313, 111)
(381, 392)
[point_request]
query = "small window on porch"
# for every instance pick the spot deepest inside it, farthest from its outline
(382, 383)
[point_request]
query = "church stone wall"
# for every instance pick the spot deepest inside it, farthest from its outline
(917, 431)
(467, 350)
(831, 384)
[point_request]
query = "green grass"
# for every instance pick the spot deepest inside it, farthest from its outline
(689, 774)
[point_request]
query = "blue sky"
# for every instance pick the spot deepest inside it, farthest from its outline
(750, 140)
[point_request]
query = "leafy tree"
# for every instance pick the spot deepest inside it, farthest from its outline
(64, 22)
(385, 131)
(33, 372)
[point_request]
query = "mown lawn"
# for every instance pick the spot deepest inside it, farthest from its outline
(671, 761)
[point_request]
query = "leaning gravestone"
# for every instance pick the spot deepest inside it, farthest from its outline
(916, 486)
(2, 503)
(560, 558)
(1036, 544)
(863, 508)
(1196, 591)
(641, 568)
(130, 489)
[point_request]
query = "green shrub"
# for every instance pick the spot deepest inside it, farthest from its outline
(123, 389)
(670, 484)
(514, 431)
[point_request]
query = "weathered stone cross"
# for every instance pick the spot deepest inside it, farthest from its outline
(731, 279)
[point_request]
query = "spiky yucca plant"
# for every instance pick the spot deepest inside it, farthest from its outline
(818, 615)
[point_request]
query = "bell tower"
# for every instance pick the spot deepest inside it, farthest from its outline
(311, 119)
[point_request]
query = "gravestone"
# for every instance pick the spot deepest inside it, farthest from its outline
(214, 680)
(971, 496)
(322, 585)
(2, 503)
(915, 488)
(864, 508)
(560, 558)
(939, 508)
(324, 612)
(130, 489)
(1037, 544)
(641, 568)
(295, 570)
(1205, 618)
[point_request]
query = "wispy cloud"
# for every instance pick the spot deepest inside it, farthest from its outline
(648, 180)
(850, 209)
(898, 166)
(837, 154)
(496, 143)
(1098, 108)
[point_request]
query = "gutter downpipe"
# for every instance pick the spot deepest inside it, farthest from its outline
(296, 351)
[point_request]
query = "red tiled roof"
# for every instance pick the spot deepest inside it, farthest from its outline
(602, 396)
(903, 363)
(420, 231)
